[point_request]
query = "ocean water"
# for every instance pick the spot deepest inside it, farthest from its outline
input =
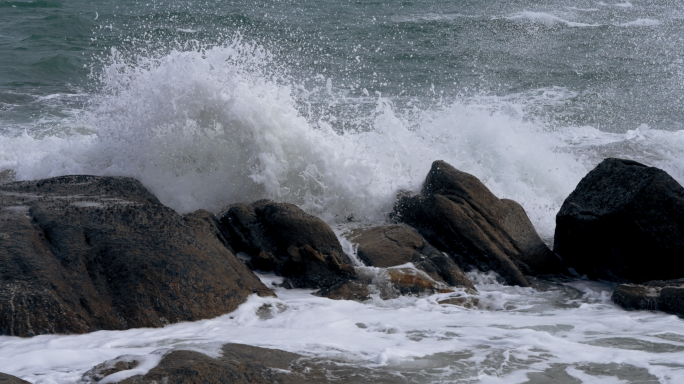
(337, 106)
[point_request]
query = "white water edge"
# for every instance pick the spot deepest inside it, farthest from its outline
(515, 335)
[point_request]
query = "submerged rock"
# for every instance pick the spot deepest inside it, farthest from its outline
(386, 283)
(624, 223)
(85, 253)
(458, 214)
(395, 245)
(280, 237)
(658, 295)
(238, 364)
(9, 379)
(462, 301)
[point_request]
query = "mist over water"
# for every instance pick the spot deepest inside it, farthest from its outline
(336, 107)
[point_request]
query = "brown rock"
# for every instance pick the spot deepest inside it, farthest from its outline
(394, 245)
(462, 301)
(356, 290)
(84, 253)
(533, 256)
(9, 379)
(239, 364)
(282, 238)
(387, 284)
(659, 295)
(636, 297)
(408, 281)
(459, 215)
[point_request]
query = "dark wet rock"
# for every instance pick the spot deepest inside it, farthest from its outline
(457, 214)
(394, 245)
(672, 300)
(238, 364)
(280, 237)
(357, 290)
(9, 379)
(386, 284)
(85, 253)
(624, 223)
(636, 297)
(658, 295)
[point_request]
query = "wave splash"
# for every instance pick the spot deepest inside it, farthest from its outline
(202, 128)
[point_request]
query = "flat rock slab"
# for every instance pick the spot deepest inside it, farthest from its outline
(85, 253)
(457, 214)
(238, 364)
(666, 296)
(624, 222)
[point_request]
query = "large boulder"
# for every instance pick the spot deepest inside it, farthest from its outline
(657, 295)
(624, 223)
(238, 364)
(85, 253)
(457, 214)
(280, 237)
(395, 245)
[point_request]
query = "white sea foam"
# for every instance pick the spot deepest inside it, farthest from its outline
(583, 9)
(431, 17)
(514, 332)
(641, 23)
(546, 19)
(205, 128)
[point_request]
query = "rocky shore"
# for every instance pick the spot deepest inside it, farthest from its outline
(87, 253)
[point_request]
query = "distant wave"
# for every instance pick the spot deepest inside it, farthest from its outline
(430, 17)
(641, 23)
(583, 9)
(546, 19)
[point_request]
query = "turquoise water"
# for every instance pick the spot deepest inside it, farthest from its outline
(615, 65)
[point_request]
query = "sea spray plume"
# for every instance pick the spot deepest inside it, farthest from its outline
(204, 126)
(210, 127)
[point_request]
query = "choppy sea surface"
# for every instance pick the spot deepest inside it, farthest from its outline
(336, 106)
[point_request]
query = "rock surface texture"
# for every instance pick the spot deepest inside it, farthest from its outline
(85, 253)
(386, 284)
(9, 379)
(239, 364)
(624, 223)
(395, 245)
(658, 295)
(280, 237)
(457, 214)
